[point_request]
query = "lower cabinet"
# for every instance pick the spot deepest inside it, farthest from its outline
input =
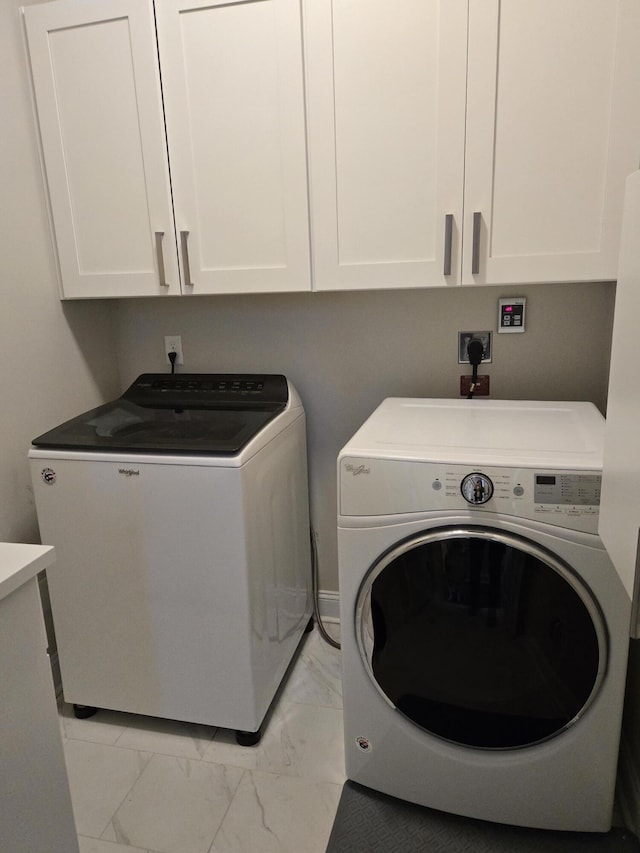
(36, 805)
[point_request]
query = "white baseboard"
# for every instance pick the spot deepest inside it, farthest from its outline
(329, 605)
(628, 789)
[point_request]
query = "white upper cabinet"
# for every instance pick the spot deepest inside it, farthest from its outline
(518, 120)
(450, 141)
(97, 89)
(553, 129)
(232, 80)
(386, 98)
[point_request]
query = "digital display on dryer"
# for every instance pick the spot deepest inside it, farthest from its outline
(545, 480)
(567, 489)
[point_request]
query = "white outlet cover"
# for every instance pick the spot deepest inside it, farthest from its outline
(173, 343)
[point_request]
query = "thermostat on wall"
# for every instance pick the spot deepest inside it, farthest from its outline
(511, 314)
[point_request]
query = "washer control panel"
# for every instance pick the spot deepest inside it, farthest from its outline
(375, 487)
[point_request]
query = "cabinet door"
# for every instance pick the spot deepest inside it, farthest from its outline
(553, 129)
(620, 509)
(233, 86)
(97, 88)
(386, 101)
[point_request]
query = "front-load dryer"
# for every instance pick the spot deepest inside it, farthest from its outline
(484, 628)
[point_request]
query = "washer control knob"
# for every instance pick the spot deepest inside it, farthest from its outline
(476, 489)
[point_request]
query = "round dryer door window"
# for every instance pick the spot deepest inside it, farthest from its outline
(481, 638)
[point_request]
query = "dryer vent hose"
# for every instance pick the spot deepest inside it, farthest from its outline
(315, 591)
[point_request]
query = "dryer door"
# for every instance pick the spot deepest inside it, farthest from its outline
(481, 638)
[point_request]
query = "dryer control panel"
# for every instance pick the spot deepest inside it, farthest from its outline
(559, 489)
(374, 487)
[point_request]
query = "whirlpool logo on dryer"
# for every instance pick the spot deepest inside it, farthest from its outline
(357, 469)
(129, 472)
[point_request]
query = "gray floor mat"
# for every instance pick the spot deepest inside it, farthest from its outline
(370, 822)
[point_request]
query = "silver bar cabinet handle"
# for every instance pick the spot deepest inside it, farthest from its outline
(185, 258)
(160, 257)
(448, 236)
(475, 258)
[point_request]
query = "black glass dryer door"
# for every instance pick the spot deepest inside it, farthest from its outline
(481, 638)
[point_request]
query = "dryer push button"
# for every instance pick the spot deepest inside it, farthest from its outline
(476, 488)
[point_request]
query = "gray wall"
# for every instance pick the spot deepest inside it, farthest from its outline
(345, 352)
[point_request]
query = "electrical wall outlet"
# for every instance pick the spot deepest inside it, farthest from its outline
(173, 343)
(463, 341)
(481, 389)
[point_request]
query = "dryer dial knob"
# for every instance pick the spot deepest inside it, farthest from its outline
(476, 489)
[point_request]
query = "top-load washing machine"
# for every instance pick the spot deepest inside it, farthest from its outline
(180, 517)
(484, 628)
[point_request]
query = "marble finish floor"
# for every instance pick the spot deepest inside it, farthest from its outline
(143, 784)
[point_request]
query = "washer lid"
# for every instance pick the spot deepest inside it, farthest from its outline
(516, 433)
(208, 414)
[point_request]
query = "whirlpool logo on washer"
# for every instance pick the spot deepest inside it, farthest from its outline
(129, 472)
(357, 469)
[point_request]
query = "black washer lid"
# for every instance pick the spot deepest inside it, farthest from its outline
(208, 390)
(201, 414)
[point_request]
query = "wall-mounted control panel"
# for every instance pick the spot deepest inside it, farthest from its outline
(511, 313)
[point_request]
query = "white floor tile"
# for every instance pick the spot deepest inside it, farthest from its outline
(278, 814)
(103, 727)
(176, 806)
(94, 845)
(316, 677)
(100, 777)
(142, 785)
(332, 628)
(299, 740)
(167, 737)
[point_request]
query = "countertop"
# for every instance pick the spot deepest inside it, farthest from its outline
(19, 563)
